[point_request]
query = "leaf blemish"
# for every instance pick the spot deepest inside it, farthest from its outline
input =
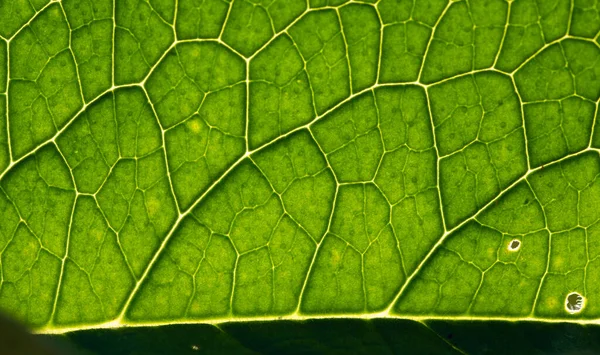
(574, 302)
(514, 245)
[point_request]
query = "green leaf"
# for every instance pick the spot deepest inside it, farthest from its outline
(206, 161)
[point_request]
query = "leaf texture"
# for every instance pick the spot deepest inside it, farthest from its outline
(166, 161)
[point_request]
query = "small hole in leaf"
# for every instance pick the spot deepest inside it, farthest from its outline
(514, 245)
(574, 302)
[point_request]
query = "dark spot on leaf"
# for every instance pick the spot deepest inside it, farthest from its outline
(574, 302)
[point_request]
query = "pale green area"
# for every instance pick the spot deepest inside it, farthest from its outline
(165, 161)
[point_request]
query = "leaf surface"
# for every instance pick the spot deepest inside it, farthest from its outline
(171, 161)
